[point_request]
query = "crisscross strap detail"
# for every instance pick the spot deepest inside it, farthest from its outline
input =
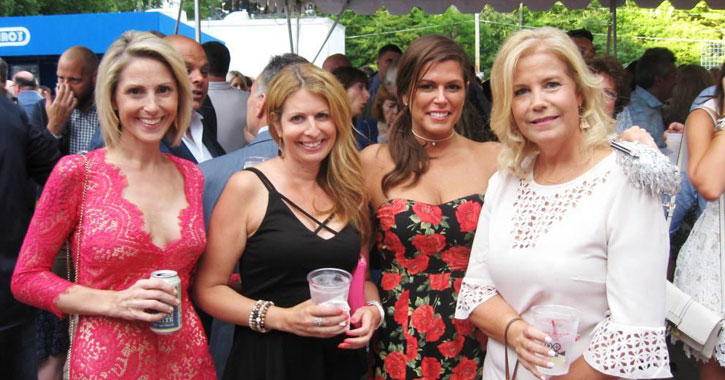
(270, 187)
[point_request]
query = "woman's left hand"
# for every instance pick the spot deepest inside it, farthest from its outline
(637, 134)
(366, 317)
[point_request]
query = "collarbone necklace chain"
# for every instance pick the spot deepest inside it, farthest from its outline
(567, 176)
(433, 142)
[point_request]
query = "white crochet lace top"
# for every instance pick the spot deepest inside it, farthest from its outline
(595, 243)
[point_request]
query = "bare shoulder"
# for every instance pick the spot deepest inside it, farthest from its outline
(488, 147)
(487, 153)
(376, 159)
(375, 154)
(700, 119)
(245, 184)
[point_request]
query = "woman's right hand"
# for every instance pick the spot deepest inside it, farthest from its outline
(311, 320)
(147, 300)
(529, 344)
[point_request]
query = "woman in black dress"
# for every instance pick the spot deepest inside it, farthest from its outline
(282, 219)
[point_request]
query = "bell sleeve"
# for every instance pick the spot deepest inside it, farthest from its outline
(477, 286)
(55, 217)
(630, 341)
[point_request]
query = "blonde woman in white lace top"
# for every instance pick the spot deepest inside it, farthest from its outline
(563, 224)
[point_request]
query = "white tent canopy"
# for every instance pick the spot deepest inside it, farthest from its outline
(368, 7)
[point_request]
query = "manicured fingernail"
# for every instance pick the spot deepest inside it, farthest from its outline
(550, 364)
(547, 339)
(343, 323)
(542, 377)
(551, 353)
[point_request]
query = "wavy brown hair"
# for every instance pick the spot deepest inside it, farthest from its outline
(340, 173)
(411, 158)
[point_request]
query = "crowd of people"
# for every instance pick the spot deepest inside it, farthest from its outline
(472, 203)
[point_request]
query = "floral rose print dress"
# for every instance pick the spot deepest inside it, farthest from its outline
(424, 252)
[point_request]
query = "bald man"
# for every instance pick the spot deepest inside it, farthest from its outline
(71, 116)
(25, 90)
(199, 143)
(335, 61)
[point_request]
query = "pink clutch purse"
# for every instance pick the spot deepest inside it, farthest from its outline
(356, 296)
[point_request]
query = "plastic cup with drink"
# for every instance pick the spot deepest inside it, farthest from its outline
(330, 286)
(561, 324)
(253, 161)
(673, 146)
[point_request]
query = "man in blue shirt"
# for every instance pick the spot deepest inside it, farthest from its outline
(366, 126)
(26, 90)
(656, 76)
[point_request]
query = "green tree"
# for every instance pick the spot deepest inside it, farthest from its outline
(19, 7)
(637, 29)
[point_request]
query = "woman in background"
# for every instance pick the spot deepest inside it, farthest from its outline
(237, 80)
(385, 109)
(698, 268)
(691, 79)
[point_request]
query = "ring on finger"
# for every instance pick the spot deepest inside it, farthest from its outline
(318, 321)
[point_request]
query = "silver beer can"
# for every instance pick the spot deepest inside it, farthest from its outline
(172, 321)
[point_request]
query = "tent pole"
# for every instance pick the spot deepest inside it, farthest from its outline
(613, 7)
(332, 29)
(178, 17)
(299, 13)
(197, 21)
(477, 18)
(609, 31)
(521, 15)
(289, 26)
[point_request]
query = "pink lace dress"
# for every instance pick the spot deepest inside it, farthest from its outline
(116, 251)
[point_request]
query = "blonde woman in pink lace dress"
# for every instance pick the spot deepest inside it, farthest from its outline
(142, 212)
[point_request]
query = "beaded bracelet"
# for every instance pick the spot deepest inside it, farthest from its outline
(254, 315)
(262, 317)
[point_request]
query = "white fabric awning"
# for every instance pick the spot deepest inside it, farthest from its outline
(367, 7)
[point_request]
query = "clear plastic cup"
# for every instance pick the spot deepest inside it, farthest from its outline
(561, 324)
(673, 146)
(330, 286)
(253, 161)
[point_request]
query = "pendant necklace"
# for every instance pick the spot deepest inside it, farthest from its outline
(433, 142)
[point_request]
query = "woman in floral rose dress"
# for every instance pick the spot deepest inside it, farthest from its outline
(426, 185)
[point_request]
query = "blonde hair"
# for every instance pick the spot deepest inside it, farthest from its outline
(131, 45)
(517, 149)
(340, 173)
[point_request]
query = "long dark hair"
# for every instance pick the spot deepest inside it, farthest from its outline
(719, 88)
(409, 156)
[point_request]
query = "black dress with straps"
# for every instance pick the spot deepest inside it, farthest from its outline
(274, 267)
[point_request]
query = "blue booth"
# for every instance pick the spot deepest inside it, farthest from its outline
(35, 43)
